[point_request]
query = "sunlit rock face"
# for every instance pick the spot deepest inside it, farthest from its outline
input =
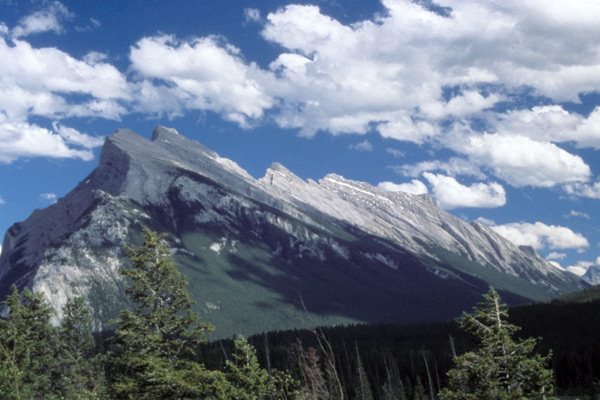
(258, 252)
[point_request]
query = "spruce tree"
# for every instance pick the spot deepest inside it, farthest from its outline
(28, 348)
(419, 391)
(501, 368)
(156, 342)
(362, 388)
(249, 380)
(82, 370)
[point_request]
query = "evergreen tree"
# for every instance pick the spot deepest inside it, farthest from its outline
(249, 380)
(28, 348)
(362, 388)
(419, 391)
(82, 371)
(402, 392)
(501, 368)
(157, 341)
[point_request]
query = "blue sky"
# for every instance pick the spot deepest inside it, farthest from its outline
(491, 107)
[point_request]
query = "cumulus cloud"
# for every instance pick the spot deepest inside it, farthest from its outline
(453, 167)
(36, 81)
(394, 152)
(393, 72)
(1, 200)
(49, 83)
(365, 145)
(590, 190)
(541, 236)
(450, 194)
(49, 19)
(413, 187)
(522, 161)
(28, 140)
(555, 256)
(200, 74)
(577, 214)
(49, 197)
(406, 73)
(486, 221)
(251, 15)
(580, 268)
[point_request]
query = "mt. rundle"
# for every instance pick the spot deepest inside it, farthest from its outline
(274, 253)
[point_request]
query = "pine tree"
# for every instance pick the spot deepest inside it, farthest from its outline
(249, 380)
(82, 371)
(28, 348)
(419, 391)
(501, 368)
(362, 388)
(157, 341)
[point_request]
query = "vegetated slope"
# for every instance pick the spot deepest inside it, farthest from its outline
(581, 296)
(259, 253)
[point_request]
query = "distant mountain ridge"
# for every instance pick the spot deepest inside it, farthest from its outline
(258, 251)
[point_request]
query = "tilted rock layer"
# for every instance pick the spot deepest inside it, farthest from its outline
(261, 253)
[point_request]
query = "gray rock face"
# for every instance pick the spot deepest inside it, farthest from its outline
(592, 275)
(267, 233)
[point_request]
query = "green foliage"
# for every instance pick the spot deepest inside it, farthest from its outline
(501, 368)
(362, 388)
(419, 391)
(29, 347)
(248, 379)
(82, 370)
(157, 341)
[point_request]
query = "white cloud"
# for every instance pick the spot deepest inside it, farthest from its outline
(391, 72)
(450, 194)
(453, 167)
(252, 14)
(556, 256)
(40, 82)
(49, 197)
(28, 140)
(47, 20)
(465, 104)
(201, 74)
(578, 214)
(584, 190)
(486, 221)
(2, 201)
(394, 152)
(365, 145)
(522, 161)
(413, 187)
(555, 264)
(72, 136)
(36, 81)
(541, 236)
(580, 268)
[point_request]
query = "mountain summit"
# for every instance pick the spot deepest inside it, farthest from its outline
(258, 253)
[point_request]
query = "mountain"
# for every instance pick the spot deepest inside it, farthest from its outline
(260, 253)
(592, 275)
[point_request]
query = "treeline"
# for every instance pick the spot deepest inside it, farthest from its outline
(158, 351)
(571, 331)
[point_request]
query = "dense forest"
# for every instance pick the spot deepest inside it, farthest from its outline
(158, 351)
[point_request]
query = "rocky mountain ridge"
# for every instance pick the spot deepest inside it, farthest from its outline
(273, 238)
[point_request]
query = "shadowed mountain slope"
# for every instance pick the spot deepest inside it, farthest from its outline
(258, 252)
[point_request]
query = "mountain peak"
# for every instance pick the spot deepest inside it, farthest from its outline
(162, 132)
(332, 241)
